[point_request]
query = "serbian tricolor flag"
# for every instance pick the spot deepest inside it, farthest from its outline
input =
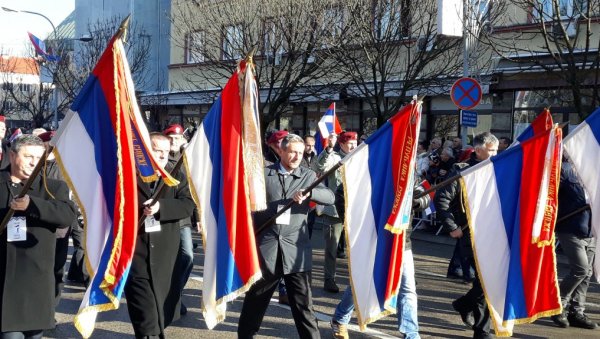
(540, 124)
(40, 48)
(511, 203)
(378, 204)
(327, 125)
(220, 177)
(95, 147)
(582, 147)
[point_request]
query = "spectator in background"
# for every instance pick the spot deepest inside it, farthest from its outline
(445, 164)
(457, 147)
(309, 159)
(422, 160)
(273, 146)
(504, 143)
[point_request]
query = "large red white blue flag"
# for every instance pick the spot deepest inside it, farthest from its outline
(378, 204)
(328, 124)
(583, 149)
(226, 183)
(511, 203)
(100, 145)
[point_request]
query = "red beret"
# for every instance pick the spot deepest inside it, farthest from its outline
(173, 129)
(2, 118)
(46, 136)
(276, 136)
(347, 136)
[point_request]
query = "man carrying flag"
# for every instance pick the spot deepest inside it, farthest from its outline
(153, 288)
(448, 204)
(284, 245)
(28, 240)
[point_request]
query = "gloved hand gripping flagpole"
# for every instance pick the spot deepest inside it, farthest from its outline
(309, 188)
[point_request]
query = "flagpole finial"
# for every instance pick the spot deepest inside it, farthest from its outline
(122, 31)
(250, 56)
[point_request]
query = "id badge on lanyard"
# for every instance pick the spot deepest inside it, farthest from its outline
(16, 229)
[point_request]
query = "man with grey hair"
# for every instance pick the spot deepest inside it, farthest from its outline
(450, 213)
(28, 242)
(284, 246)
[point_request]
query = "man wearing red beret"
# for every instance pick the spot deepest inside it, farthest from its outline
(274, 142)
(185, 257)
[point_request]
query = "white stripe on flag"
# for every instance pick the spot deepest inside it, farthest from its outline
(488, 236)
(201, 170)
(362, 236)
(584, 149)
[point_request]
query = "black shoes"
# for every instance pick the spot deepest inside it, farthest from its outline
(466, 316)
(331, 286)
(580, 320)
(561, 320)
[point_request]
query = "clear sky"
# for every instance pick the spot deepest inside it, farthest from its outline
(14, 26)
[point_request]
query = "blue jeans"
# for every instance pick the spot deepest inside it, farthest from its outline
(406, 305)
(185, 258)
(408, 322)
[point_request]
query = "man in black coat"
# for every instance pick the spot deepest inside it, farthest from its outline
(28, 242)
(451, 213)
(153, 287)
(284, 246)
(579, 245)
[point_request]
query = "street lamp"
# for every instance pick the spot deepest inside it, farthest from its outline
(83, 39)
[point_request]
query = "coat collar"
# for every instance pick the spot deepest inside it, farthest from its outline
(274, 169)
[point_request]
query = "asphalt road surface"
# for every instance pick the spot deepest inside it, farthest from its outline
(436, 317)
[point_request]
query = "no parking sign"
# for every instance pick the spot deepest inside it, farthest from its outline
(466, 93)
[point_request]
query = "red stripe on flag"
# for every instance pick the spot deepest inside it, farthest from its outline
(537, 263)
(235, 196)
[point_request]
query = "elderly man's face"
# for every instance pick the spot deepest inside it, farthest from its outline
(23, 162)
(484, 153)
(291, 157)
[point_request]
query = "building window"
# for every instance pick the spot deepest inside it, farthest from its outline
(274, 44)
(233, 42)
(25, 88)
(332, 25)
(196, 42)
(566, 9)
(387, 23)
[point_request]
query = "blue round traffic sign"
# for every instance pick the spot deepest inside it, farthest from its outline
(466, 93)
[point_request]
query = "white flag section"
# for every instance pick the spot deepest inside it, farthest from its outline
(583, 148)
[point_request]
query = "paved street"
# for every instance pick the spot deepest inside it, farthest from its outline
(436, 317)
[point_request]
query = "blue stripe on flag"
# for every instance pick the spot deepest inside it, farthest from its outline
(225, 265)
(95, 117)
(507, 168)
(381, 205)
(594, 122)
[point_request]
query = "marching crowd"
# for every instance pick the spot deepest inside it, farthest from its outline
(45, 216)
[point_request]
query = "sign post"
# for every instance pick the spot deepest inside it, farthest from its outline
(466, 93)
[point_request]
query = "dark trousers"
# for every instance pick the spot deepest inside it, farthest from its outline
(60, 259)
(474, 301)
(580, 252)
(34, 334)
(77, 270)
(300, 297)
(142, 308)
(460, 259)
